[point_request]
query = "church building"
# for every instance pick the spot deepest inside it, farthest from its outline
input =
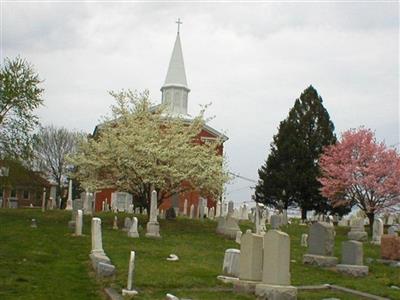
(174, 95)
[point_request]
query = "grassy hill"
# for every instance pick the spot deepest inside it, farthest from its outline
(50, 263)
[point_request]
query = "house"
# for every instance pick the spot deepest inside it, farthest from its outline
(21, 187)
(175, 93)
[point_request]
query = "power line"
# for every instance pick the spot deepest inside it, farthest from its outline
(242, 177)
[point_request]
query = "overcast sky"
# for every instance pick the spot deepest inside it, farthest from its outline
(250, 60)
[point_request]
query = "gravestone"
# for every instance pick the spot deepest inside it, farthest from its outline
(357, 231)
(392, 230)
(238, 237)
(377, 231)
(191, 211)
(100, 261)
(97, 242)
(321, 241)
(231, 262)
(153, 228)
(185, 207)
(69, 200)
(130, 291)
(304, 240)
(33, 223)
(390, 247)
(251, 256)
(276, 268)
(352, 259)
(211, 215)
(133, 230)
(276, 221)
(115, 224)
(127, 224)
(78, 223)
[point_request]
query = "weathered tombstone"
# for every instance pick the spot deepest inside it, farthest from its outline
(230, 227)
(130, 209)
(390, 219)
(170, 213)
(352, 259)
(211, 215)
(377, 231)
(97, 241)
(321, 240)
(78, 223)
(115, 224)
(218, 209)
(392, 230)
(130, 291)
(276, 221)
(263, 220)
(133, 230)
(238, 237)
(153, 228)
(284, 217)
(71, 223)
(304, 240)
(127, 224)
(185, 207)
(276, 268)
(231, 262)
(390, 247)
(357, 231)
(69, 200)
(33, 223)
(192, 211)
(251, 256)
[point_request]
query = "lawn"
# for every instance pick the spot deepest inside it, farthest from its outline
(50, 263)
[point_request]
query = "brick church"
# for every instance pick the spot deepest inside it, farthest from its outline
(175, 92)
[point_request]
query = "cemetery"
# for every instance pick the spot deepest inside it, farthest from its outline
(111, 190)
(52, 258)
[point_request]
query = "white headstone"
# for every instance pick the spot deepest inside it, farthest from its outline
(97, 241)
(153, 228)
(251, 256)
(130, 291)
(276, 270)
(78, 223)
(231, 262)
(115, 224)
(69, 201)
(377, 231)
(133, 230)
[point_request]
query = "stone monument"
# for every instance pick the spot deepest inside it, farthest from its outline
(276, 268)
(352, 259)
(321, 241)
(153, 228)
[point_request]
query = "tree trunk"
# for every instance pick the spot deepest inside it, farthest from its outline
(304, 214)
(371, 217)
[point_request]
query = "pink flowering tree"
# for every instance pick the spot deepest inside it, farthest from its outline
(360, 171)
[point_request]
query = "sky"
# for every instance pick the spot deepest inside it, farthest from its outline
(250, 60)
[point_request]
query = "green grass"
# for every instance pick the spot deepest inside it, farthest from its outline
(50, 263)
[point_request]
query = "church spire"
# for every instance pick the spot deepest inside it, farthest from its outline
(175, 90)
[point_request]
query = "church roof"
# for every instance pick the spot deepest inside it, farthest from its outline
(176, 75)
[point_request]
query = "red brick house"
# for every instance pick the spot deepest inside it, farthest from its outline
(175, 97)
(21, 187)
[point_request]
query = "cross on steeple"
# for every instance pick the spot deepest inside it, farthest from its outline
(179, 23)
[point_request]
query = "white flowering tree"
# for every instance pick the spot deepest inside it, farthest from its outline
(139, 148)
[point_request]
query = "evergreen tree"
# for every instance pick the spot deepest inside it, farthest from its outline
(291, 170)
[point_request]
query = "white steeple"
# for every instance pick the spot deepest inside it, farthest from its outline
(175, 90)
